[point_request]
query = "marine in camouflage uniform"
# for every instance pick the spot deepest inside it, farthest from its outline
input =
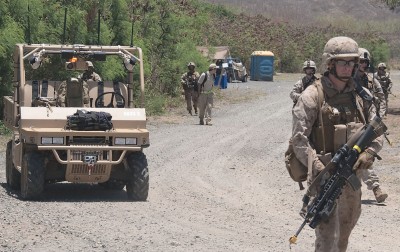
(369, 176)
(332, 100)
(384, 79)
(309, 69)
(367, 81)
(206, 95)
(189, 85)
(73, 93)
(90, 74)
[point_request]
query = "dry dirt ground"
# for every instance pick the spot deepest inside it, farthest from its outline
(212, 188)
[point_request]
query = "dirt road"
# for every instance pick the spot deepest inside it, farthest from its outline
(212, 188)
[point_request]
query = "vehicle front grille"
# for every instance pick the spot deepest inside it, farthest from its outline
(98, 169)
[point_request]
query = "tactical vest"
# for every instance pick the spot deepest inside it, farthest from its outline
(307, 82)
(191, 80)
(383, 80)
(338, 119)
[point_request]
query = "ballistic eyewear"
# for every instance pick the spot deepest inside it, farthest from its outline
(349, 63)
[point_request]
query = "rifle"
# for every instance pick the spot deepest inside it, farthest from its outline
(341, 170)
(390, 92)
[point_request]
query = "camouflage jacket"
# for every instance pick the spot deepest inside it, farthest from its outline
(90, 76)
(300, 86)
(189, 80)
(306, 114)
(384, 80)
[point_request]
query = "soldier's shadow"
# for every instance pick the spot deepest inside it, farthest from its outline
(372, 202)
(393, 111)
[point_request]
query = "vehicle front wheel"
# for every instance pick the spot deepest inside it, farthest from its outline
(13, 175)
(137, 187)
(32, 175)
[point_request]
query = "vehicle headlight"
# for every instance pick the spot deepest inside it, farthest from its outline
(52, 140)
(125, 141)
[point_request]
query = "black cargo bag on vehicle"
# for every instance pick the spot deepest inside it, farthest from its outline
(89, 120)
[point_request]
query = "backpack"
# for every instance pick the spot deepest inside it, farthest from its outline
(202, 84)
(296, 169)
(84, 120)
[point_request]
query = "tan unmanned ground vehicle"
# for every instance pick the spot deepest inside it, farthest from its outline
(46, 147)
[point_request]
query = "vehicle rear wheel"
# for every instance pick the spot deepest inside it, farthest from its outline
(13, 175)
(32, 175)
(244, 78)
(137, 187)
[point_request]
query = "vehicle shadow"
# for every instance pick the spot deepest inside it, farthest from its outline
(68, 192)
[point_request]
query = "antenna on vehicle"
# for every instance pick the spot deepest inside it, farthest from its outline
(29, 25)
(132, 28)
(98, 28)
(65, 25)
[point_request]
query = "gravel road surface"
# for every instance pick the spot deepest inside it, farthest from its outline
(212, 188)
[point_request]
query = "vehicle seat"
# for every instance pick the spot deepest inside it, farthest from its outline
(73, 93)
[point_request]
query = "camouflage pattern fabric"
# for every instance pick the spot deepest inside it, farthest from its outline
(333, 234)
(79, 86)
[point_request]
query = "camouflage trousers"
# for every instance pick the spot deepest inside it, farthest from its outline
(206, 102)
(191, 95)
(370, 178)
(333, 234)
(386, 102)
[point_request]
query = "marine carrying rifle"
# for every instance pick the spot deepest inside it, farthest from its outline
(341, 170)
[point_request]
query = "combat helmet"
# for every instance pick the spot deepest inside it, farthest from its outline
(338, 47)
(89, 64)
(191, 64)
(364, 55)
(309, 64)
(381, 65)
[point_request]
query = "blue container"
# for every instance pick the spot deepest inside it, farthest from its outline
(262, 66)
(224, 81)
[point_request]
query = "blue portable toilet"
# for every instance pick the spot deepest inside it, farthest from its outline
(262, 66)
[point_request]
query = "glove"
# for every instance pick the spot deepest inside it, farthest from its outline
(318, 166)
(365, 160)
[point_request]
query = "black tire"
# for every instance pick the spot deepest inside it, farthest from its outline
(137, 187)
(244, 78)
(113, 185)
(13, 175)
(32, 175)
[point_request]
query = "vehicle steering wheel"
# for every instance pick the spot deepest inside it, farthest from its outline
(98, 103)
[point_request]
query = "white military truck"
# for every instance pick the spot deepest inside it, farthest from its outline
(54, 142)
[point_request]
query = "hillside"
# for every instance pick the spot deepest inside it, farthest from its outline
(301, 27)
(311, 10)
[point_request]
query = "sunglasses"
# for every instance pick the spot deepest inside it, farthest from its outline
(349, 63)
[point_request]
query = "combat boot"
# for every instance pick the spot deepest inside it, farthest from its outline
(379, 195)
(195, 110)
(201, 122)
(190, 111)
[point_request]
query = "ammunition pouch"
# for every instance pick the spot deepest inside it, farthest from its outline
(297, 171)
